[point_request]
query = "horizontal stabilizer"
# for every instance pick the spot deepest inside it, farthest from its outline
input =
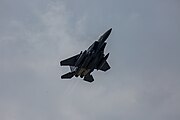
(68, 75)
(88, 78)
(70, 61)
(105, 67)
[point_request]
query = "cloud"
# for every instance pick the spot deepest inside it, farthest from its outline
(142, 84)
(30, 57)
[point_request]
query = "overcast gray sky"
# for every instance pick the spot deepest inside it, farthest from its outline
(143, 83)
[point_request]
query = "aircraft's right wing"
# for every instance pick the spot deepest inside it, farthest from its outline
(105, 67)
(70, 61)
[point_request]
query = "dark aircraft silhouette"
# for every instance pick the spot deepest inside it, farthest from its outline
(84, 63)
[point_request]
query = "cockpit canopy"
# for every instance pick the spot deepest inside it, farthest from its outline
(94, 46)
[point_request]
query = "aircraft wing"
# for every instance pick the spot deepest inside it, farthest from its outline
(105, 67)
(70, 61)
(68, 75)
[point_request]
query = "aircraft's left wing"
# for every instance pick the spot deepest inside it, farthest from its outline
(105, 67)
(70, 61)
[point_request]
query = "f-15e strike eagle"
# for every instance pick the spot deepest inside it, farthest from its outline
(84, 63)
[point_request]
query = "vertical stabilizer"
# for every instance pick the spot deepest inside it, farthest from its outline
(88, 78)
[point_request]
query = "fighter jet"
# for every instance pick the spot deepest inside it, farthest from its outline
(84, 63)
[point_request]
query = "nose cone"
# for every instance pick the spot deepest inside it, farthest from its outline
(109, 31)
(105, 35)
